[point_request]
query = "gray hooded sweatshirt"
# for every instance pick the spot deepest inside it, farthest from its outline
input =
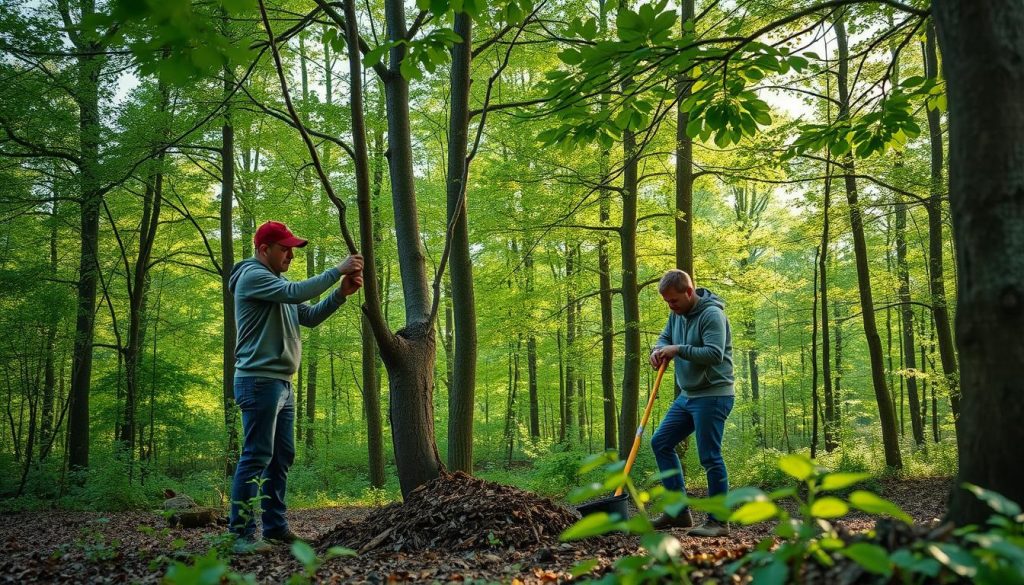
(704, 364)
(268, 311)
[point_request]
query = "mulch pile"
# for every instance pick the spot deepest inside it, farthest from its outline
(456, 512)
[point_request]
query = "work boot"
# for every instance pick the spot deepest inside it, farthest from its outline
(287, 537)
(711, 527)
(665, 522)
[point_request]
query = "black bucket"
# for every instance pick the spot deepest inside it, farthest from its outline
(612, 505)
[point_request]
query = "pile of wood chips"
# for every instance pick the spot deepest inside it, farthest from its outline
(456, 512)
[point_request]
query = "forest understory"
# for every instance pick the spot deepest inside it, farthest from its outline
(85, 547)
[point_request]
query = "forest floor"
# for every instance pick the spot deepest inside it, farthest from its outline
(79, 547)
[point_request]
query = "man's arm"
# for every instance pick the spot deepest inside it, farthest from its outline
(257, 283)
(311, 316)
(712, 334)
(664, 340)
(315, 315)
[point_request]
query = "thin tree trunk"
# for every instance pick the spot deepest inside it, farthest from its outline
(886, 415)
(940, 311)
(684, 159)
(829, 428)
(227, 255)
(463, 391)
(628, 418)
(814, 359)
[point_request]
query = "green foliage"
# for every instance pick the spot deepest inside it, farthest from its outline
(807, 536)
(182, 41)
(311, 562)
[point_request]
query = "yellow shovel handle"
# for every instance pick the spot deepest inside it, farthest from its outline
(643, 422)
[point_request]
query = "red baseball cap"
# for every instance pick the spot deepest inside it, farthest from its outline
(275, 232)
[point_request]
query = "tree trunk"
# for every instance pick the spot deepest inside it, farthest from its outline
(684, 161)
(570, 339)
(461, 399)
(814, 359)
(985, 75)
(887, 418)
(829, 428)
(371, 406)
(46, 430)
(630, 297)
(907, 317)
(227, 256)
(940, 311)
(531, 356)
(90, 65)
(311, 357)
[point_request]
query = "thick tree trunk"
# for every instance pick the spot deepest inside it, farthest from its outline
(462, 398)
(90, 65)
(630, 298)
(887, 418)
(985, 78)
(411, 383)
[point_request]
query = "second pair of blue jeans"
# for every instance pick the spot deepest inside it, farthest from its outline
(268, 450)
(703, 417)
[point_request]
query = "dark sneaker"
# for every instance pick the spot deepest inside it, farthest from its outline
(248, 546)
(665, 522)
(712, 527)
(282, 538)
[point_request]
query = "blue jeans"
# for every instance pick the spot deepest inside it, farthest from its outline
(268, 450)
(704, 416)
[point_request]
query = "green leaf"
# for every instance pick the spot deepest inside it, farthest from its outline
(797, 466)
(912, 81)
(374, 55)
(744, 494)
(957, 559)
(999, 503)
(584, 567)
(869, 556)
(234, 6)
(872, 504)
(776, 573)
(570, 57)
(597, 460)
(829, 507)
(592, 525)
(909, 561)
(304, 553)
(754, 512)
(838, 481)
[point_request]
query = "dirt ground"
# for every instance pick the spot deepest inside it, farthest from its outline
(78, 547)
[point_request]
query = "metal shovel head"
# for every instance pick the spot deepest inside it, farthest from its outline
(612, 505)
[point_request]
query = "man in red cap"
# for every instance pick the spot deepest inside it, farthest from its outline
(268, 312)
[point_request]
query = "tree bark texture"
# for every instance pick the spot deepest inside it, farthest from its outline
(984, 69)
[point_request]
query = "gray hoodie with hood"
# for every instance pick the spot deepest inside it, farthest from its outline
(704, 364)
(268, 311)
